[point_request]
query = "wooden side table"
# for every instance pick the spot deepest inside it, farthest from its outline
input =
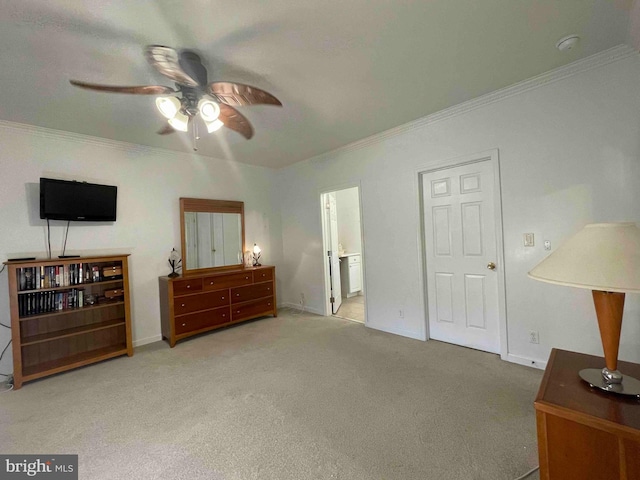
(585, 433)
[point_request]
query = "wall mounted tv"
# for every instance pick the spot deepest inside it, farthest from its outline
(77, 201)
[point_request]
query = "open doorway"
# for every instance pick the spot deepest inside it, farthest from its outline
(344, 260)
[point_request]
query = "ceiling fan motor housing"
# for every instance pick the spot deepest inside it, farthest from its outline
(191, 63)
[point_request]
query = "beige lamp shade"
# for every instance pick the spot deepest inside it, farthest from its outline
(601, 256)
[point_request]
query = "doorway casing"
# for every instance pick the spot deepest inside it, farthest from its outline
(325, 243)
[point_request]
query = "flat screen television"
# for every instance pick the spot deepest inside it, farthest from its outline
(77, 201)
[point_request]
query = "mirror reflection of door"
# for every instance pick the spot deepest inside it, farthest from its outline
(190, 224)
(213, 239)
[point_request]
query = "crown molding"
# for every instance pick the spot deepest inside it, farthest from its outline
(126, 147)
(605, 57)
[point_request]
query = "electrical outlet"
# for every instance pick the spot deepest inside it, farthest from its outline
(533, 337)
(301, 298)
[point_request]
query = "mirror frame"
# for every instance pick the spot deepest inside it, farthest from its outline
(211, 206)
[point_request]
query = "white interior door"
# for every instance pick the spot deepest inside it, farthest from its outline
(334, 258)
(461, 250)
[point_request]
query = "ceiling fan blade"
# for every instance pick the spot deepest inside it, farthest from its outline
(234, 120)
(238, 94)
(139, 90)
(166, 130)
(167, 61)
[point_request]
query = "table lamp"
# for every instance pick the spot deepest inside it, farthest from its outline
(604, 258)
(256, 255)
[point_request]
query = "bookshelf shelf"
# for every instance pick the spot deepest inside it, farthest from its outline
(67, 311)
(79, 285)
(94, 327)
(73, 361)
(53, 328)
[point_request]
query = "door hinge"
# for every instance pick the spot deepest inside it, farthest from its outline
(332, 300)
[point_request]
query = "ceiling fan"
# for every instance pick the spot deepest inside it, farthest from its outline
(194, 96)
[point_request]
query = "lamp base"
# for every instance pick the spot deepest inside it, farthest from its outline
(629, 386)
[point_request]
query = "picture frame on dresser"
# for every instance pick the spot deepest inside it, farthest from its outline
(216, 288)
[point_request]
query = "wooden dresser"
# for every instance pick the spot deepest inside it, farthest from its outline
(198, 303)
(584, 433)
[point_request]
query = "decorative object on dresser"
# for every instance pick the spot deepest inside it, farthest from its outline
(604, 258)
(199, 303)
(256, 255)
(174, 261)
(585, 434)
(68, 313)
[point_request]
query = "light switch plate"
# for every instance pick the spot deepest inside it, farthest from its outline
(529, 240)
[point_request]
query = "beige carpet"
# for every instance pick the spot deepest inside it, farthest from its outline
(290, 398)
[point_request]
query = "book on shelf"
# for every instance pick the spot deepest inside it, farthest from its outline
(43, 277)
(36, 303)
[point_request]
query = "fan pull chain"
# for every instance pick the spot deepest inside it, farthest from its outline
(196, 137)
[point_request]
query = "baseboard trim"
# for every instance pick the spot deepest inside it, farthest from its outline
(526, 361)
(145, 341)
(397, 331)
(296, 306)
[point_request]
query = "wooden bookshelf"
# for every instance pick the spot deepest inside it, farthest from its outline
(54, 327)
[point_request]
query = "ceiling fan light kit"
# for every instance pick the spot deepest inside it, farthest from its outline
(180, 122)
(214, 126)
(168, 106)
(213, 102)
(209, 110)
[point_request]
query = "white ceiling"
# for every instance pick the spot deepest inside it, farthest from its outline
(343, 69)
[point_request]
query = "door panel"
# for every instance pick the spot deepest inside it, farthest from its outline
(460, 241)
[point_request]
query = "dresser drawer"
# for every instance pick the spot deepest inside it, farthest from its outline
(200, 320)
(203, 301)
(215, 282)
(251, 292)
(188, 285)
(263, 275)
(253, 309)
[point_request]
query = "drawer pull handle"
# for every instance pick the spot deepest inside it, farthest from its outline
(182, 305)
(184, 324)
(246, 278)
(222, 298)
(188, 286)
(237, 294)
(268, 288)
(210, 283)
(224, 314)
(268, 304)
(238, 311)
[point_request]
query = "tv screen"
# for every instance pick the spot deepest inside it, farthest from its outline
(78, 201)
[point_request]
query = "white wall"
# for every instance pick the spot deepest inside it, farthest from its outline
(348, 209)
(149, 182)
(569, 153)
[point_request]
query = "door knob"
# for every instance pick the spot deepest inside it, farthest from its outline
(491, 266)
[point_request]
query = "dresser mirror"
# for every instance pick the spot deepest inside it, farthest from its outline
(212, 235)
